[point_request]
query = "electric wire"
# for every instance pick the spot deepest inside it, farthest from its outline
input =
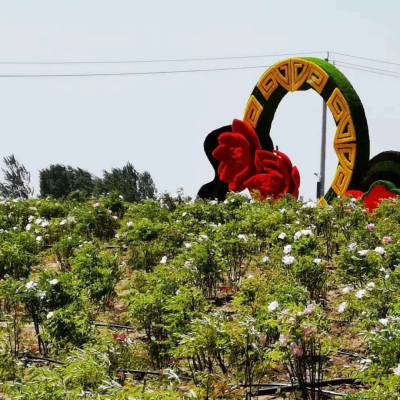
(367, 70)
(366, 58)
(339, 62)
(158, 60)
(369, 67)
(179, 71)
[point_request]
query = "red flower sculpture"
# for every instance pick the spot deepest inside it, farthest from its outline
(243, 164)
(380, 190)
(235, 153)
(275, 175)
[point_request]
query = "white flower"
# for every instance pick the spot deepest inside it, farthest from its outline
(360, 293)
(387, 240)
(384, 321)
(363, 253)
(283, 339)
(28, 227)
(288, 260)
(396, 370)
(353, 246)
(342, 307)
(45, 223)
(129, 224)
(39, 238)
(317, 261)
(287, 249)
(265, 259)
(309, 309)
(309, 204)
(307, 232)
(297, 235)
(96, 205)
(370, 285)
(192, 394)
(243, 237)
(371, 227)
(188, 245)
(71, 219)
(164, 260)
(53, 282)
(38, 221)
(380, 250)
(41, 294)
(283, 211)
(184, 214)
(31, 285)
(202, 238)
(273, 306)
(346, 289)
(282, 236)
(63, 222)
(50, 315)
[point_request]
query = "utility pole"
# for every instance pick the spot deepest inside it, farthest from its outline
(321, 183)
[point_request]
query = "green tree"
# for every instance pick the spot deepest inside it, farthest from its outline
(17, 180)
(131, 184)
(59, 181)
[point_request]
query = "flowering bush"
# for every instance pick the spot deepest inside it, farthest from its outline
(207, 295)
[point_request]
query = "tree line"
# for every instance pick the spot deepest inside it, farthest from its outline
(63, 181)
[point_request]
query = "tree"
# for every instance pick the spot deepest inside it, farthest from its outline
(147, 188)
(17, 180)
(60, 180)
(131, 184)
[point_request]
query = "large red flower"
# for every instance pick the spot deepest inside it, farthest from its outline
(380, 190)
(275, 176)
(235, 153)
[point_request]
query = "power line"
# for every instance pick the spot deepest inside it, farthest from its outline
(366, 58)
(367, 70)
(179, 71)
(344, 64)
(372, 68)
(193, 59)
(157, 60)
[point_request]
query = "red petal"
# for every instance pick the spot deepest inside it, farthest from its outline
(378, 193)
(357, 194)
(247, 131)
(232, 139)
(263, 159)
(285, 160)
(296, 177)
(271, 184)
(221, 152)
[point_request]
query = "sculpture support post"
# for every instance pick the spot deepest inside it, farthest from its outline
(321, 185)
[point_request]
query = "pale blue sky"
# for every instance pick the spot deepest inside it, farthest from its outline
(159, 122)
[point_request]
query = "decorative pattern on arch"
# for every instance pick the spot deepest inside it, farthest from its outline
(351, 142)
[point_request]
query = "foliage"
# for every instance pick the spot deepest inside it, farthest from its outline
(17, 180)
(207, 295)
(131, 184)
(59, 181)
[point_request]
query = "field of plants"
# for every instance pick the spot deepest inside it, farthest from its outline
(175, 299)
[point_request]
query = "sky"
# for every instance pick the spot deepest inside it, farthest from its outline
(159, 122)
